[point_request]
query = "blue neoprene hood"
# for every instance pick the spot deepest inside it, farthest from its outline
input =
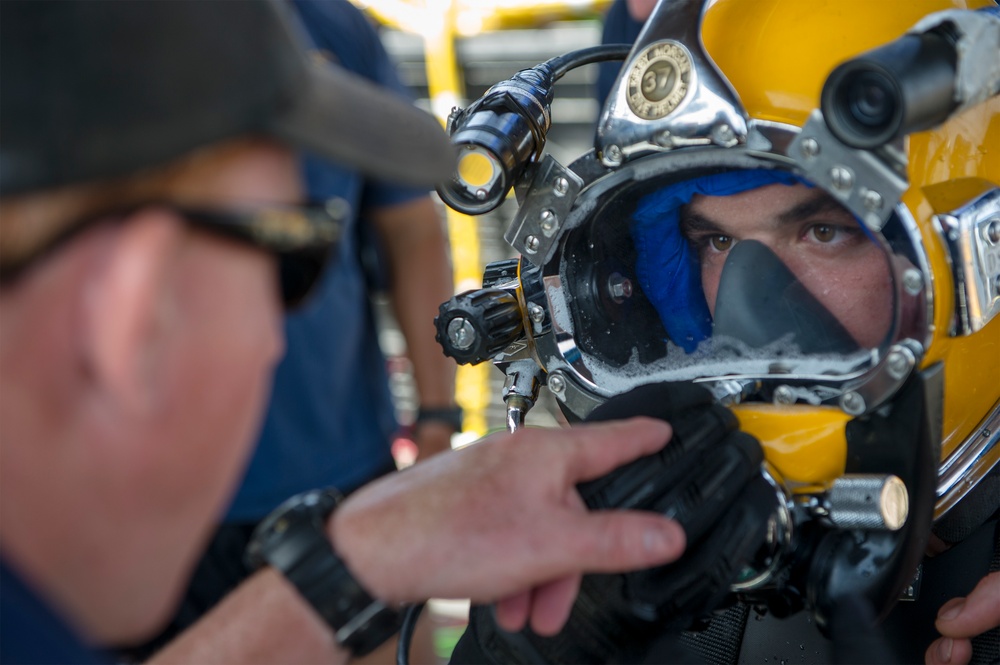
(667, 266)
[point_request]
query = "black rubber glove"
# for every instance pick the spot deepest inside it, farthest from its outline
(708, 478)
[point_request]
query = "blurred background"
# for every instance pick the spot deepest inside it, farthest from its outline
(449, 52)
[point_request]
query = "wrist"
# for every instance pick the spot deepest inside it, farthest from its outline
(446, 415)
(360, 534)
(294, 540)
(351, 538)
(432, 438)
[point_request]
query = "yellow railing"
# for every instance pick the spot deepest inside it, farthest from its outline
(439, 23)
(474, 16)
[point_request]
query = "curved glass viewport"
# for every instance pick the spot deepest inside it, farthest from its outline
(724, 273)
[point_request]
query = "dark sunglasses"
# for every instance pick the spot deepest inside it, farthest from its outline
(302, 238)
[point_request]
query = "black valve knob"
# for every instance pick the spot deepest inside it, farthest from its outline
(476, 325)
(500, 272)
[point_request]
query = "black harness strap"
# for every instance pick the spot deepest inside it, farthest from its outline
(720, 642)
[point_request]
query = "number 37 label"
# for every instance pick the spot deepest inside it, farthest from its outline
(658, 81)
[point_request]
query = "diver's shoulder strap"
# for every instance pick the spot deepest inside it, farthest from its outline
(974, 510)
(720, 641)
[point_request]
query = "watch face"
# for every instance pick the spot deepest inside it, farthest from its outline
(309, 508)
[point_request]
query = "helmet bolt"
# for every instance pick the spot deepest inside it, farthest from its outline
(784, 395)
(556, 383)
(549, 222)
(841, 178)
(852, 403)
(723, 135)
(560, 186)
(619, 287)
(871, 199)
(461, 333)
(898, 364)
(993, 231)
(810, 147)
(913, 281)
(612, 155)
(536, 313)
(531, 244)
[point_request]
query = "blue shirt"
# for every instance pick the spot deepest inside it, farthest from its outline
(331, 418)
(30, 632)
(619, 28)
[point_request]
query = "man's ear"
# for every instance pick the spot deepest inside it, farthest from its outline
(124, 306)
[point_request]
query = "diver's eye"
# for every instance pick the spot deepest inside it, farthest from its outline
(721, 243)
(824, 232)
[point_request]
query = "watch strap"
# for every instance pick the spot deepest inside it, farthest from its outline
(360, 622)
(450, 415)
(293, 540)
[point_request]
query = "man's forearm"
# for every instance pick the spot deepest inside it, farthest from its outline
(421, 281)
(510, 505)
(413, 236)
(264, 620)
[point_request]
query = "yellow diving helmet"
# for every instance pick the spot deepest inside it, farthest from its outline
(807, 222)
(953, 174)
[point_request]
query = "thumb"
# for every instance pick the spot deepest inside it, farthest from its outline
(976, 613)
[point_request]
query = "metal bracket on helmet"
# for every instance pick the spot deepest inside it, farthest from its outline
(972, 235)
(675, 95)
(536, 228)
(861, 180)
(881, 382)
(568, 391)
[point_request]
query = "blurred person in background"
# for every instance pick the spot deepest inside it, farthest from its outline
(622, 24)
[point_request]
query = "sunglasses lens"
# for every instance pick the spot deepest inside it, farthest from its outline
(299, 273)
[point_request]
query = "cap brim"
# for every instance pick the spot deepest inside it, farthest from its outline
(350, 120)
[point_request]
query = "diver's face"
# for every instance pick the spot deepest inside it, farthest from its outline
(816, 238)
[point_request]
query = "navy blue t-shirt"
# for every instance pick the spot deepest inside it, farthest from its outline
(619, 28)
(331, 416)
(30, 632)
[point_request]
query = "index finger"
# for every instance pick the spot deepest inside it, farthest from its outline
(602, 447)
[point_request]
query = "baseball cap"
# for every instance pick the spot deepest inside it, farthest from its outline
(92, 90)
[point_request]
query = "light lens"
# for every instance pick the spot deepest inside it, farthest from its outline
(476, 169)
(480, 182)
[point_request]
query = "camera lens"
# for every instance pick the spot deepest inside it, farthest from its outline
(905, 86)
(862, 104)
(870, 99)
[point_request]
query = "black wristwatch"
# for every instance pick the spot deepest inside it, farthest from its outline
(449, 415)
(293, 539)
